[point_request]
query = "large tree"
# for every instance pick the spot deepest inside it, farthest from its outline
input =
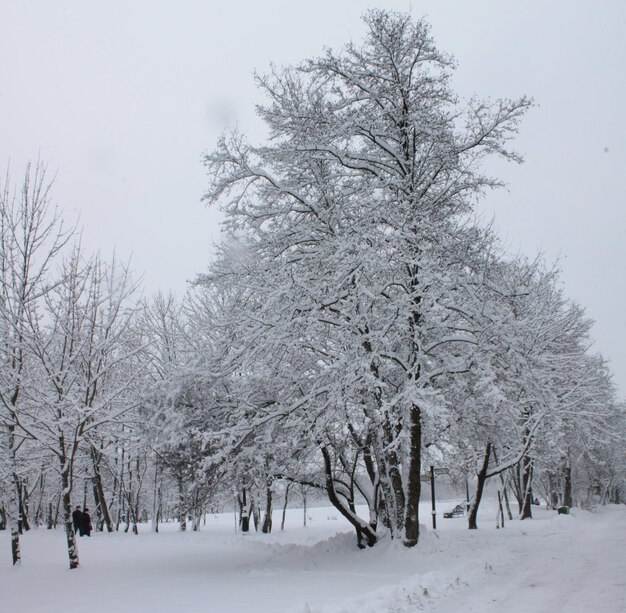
(354, 216)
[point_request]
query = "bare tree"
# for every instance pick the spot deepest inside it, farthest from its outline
(31, 239)
(83, 383)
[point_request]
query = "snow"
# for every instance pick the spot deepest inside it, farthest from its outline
(552, 563)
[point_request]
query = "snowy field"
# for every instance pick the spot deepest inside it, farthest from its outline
(549, 564)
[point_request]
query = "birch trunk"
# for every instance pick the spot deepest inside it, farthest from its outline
(66, 490)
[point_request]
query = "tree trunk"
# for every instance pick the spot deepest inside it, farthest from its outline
(156, 500)
(39, 513)
(414, 484)
(480, 484)
(504, 483)
(506, 503)
(267, 519)
(527, 476)
(85, 490)
(72, 550)
(395, 493)
(255, 512)
(567, 486)
(244, 517)
(14, 505)
(134, 516)
(500, 512)
(516, 481)
(99, 491)
(282, 523)
(303, 493)
(362, 528)
(119, 482)
(182, 507)
(50, 516)
(24, 500)
(99, 522)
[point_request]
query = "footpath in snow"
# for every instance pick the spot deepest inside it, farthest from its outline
(549, 564)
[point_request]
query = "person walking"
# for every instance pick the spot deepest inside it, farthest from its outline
(77, 519)
(85, 525)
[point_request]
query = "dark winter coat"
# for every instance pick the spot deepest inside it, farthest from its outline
(77, 518)
(85, 524)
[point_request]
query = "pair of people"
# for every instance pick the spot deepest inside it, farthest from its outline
(82, 521)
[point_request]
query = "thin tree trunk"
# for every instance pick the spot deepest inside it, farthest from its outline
(527, 476)
(40, 505)
(56, 512)
(553, 491)
(303, 493)
(282, 523)
(267, 520)
(363, 529)
(99, 522)
(506, 503)
(120, 493)
(504, 484)
(14, 505)
(480, 484)
(22, 499)
(99, 490)
(85, 490)
(567, 486)
(50, 516)
(72, 550)
(182, 507)
(516, 481)
(244, 517)
(3, 518)
(156, 500)
(134, 499)
(255, 512)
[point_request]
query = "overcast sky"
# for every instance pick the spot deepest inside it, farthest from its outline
(121, 99)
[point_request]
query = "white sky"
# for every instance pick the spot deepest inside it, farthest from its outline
(122, 97)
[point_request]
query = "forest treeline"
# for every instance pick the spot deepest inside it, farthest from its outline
(356, 325)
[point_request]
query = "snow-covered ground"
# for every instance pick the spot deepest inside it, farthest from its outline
(552, 563)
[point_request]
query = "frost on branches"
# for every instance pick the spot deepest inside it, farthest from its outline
(355, 258)
(355, 326)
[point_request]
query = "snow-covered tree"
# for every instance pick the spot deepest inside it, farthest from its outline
(81, 380)
(352, 217)
(31, 238)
